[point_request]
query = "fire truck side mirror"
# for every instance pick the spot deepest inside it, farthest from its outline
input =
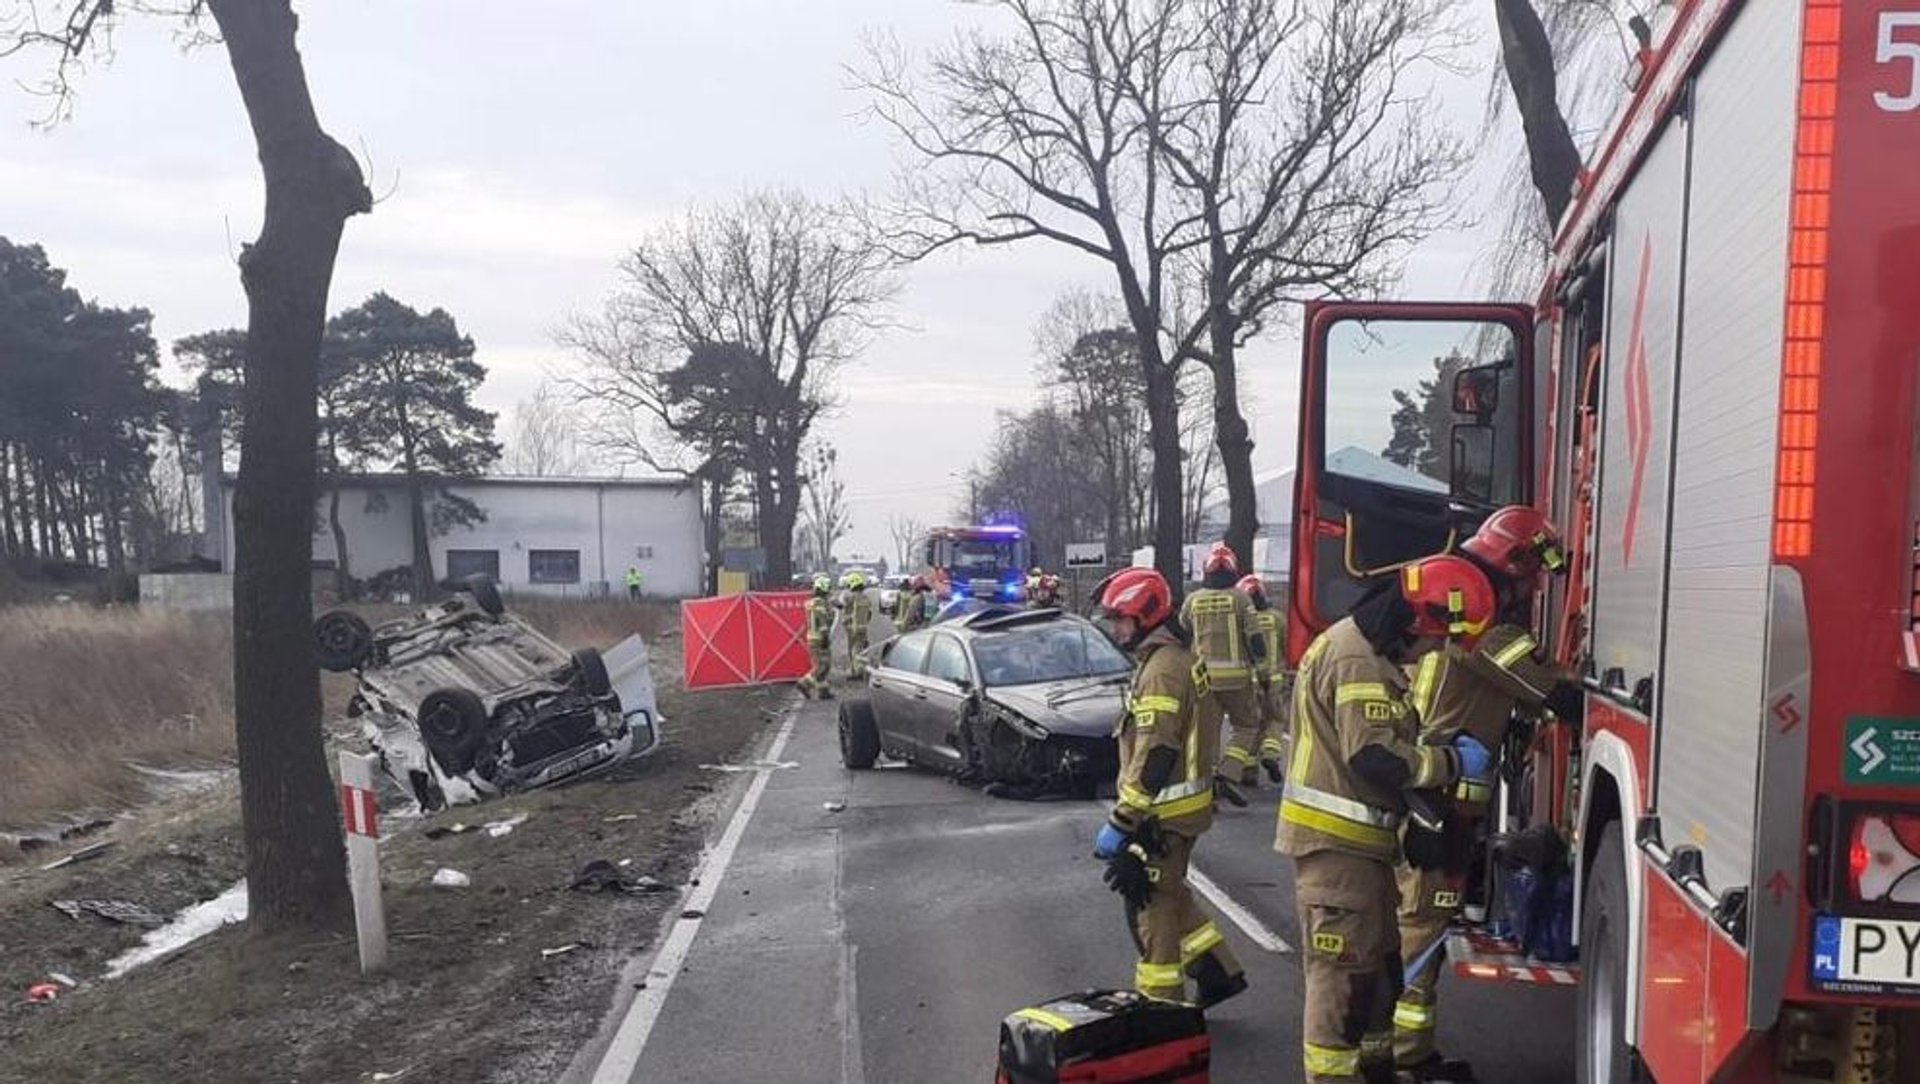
(1470, 469)
(1476, 391)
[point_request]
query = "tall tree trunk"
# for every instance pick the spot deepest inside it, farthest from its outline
(711, 495)
(425, 584)
(9, 533)
(296, 861)
(1527, 55)
(1231, 436)
(1163, 425)
(342, 567)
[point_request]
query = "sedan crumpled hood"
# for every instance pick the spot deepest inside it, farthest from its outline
(1081, 711)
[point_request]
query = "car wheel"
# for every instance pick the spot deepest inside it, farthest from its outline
(342, 641)
(1600, 1028)
(453, 723)
(486, 594)
(859, 735)
(591, 671)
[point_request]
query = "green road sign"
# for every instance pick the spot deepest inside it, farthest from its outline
(1883, 752)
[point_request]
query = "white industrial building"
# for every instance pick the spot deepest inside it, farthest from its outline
(558, 536)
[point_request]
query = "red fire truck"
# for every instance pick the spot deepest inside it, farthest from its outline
(988, 561)
(1715, 395)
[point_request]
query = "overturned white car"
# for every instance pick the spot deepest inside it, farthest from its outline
(463, 700)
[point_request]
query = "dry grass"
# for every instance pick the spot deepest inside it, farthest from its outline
(85, 691)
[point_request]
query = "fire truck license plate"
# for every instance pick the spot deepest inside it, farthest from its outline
(1881, 951)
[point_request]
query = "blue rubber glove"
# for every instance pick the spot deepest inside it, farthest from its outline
(1109, 842)
(1476, 762)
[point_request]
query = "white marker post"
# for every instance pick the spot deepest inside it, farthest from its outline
(360, 811)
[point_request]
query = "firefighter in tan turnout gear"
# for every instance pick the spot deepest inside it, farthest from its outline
(1270, 673)
(819, 640)
(1475, 691)
(858, 606)
(1221, 622)
(1355, 756)
(1167, 741)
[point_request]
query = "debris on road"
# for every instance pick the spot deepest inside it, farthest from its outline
(600, 875)
(379, 1077)
(450, 878)
(621, 818)
(132, 914)
(753, 766)
(562, 950)
(833, 807)
(91, 850)
(64, 980)
(42, 992)
(441, 831)
(496, 829)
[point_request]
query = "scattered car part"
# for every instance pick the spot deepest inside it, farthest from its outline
(121, 911)
(42, 992)
(84, 854)
(600, 875)
(450, 878)
(342, 641)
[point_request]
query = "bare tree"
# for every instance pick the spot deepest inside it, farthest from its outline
(907, 533)
(787, 289)
(296, 862)
(826, 519)
(1305, 163)
(544, 442)
(1088, 356)
(1220, 156)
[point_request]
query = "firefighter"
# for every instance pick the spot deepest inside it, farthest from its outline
(1221, 621)
(858, 606)
(1166, 797)
(910, 606)
(1355, 756)
(819, 640)
(1270, 674)
(1475, 691)
(1044, 593)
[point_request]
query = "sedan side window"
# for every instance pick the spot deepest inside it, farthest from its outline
(948, 661)
(908, 653)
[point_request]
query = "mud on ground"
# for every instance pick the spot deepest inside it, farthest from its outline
(467, 996)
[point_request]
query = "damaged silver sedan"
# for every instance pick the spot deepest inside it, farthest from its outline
(463, 700)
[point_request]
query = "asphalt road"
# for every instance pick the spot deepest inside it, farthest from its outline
(883, 942)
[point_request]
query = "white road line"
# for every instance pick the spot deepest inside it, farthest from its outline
(1259, 932)
(623, 1054)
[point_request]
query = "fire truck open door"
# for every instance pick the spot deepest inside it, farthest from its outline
(1415, 422)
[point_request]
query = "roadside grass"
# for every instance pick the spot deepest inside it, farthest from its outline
(86, 692)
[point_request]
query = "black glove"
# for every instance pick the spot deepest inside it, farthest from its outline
(1128, 874)
(1568, 702)
(1425, 847)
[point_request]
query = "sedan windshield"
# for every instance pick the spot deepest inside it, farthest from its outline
(1057, 651)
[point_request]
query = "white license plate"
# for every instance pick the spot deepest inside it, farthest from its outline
(1883, 951)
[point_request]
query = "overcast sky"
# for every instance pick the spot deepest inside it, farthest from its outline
(521, 147)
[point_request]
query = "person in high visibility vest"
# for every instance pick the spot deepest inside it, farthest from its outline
(1475, 691)
(1166, 798)
(1270, 673)
(633, 584)
(819, 640)
(911, 605)
(858, 606)
(1221, 621)
(1355, 757)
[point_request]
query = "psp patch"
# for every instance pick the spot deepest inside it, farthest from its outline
(1377, 711)
(1331, 944)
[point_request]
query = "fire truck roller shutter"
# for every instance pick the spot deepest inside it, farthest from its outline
(1713, 675)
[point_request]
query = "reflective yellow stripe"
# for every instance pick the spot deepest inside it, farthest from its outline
(1473, 791)
(1184, 806)
(1354, 691)
(1148, 976)
(1135, 797)
(1239, 756)
(1430, 765)
(1156, 703)
(1042, 1016)
(1424, 681)
(1173, 801)
(1376, 1046)
(1199, 942)
(1408, 1016)
(1331, 1060)
(1273, 746)
(1514, 652)
(1364, 835)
